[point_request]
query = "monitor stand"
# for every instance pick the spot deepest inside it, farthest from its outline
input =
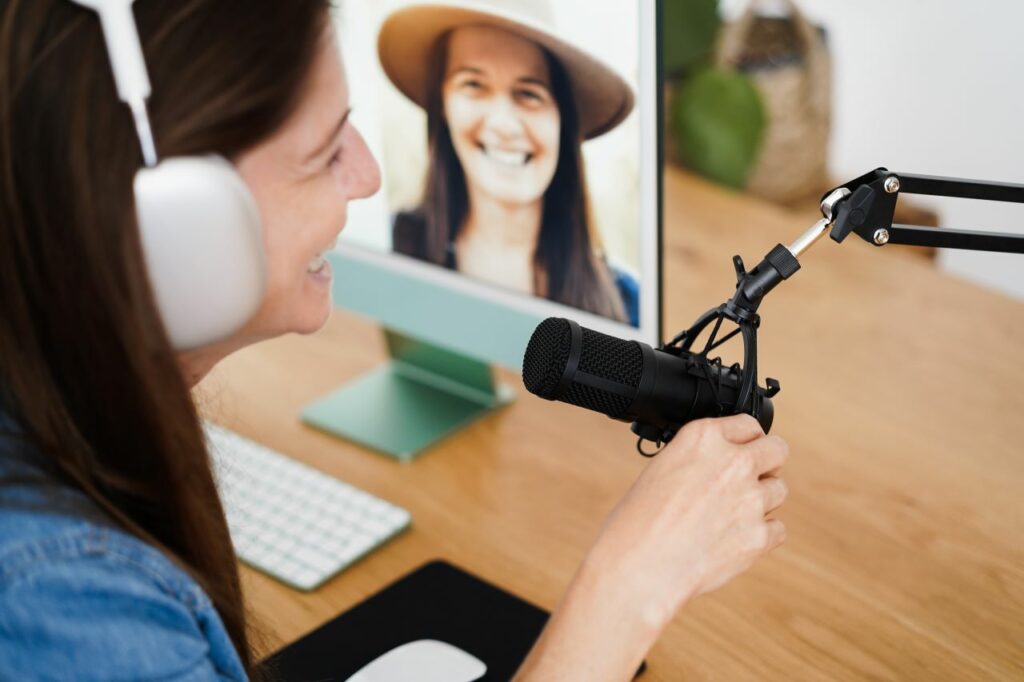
(422, 395)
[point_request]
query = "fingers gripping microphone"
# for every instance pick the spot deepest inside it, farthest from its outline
(657, 390)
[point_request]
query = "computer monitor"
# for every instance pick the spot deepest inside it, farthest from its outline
(519, 144)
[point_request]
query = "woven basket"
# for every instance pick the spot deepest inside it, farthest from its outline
(787, 60)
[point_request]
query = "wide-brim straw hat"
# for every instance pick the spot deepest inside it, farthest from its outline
(408, 36)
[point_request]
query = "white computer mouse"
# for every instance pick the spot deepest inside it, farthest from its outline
(424, 660)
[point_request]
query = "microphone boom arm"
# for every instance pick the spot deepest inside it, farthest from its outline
(868, 211)
(864, 206)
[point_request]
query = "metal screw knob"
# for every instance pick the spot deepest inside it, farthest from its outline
(828, 204)
(882, 236)
(892, 184)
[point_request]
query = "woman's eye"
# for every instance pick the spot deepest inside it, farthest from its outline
(473, 85)
(531, 96)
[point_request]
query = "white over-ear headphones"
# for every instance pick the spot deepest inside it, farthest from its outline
(200, 228)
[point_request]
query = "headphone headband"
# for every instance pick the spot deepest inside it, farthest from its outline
(129, 64)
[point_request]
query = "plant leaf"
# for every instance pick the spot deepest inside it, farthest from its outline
(717, 119)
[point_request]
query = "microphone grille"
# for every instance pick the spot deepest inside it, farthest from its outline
(609, 358)
(546, 357)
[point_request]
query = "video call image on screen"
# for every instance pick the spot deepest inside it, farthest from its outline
(509, 142)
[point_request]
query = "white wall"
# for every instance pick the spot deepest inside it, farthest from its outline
(934, 87)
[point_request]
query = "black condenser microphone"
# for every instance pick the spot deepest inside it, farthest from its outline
(629, 381)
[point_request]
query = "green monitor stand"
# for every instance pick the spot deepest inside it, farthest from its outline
(422, 395)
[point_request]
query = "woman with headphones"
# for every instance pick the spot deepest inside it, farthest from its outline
(120, 288)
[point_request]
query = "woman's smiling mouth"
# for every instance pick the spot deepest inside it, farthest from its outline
(506, 157)
(318, 263)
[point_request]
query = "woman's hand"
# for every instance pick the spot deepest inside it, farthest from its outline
(693, 520)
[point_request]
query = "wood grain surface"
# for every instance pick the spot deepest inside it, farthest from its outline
(902, 399)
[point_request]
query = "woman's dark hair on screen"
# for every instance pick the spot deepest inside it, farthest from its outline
(86, 368)
(565, 265)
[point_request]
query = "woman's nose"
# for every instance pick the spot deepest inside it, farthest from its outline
(503, 119)
(365, 171)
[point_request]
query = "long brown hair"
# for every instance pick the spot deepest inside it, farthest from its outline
(86, 368)
(566, 266)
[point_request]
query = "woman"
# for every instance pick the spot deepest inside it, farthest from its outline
(505, 198)
(115, 560)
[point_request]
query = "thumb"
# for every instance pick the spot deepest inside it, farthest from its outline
(740, 428)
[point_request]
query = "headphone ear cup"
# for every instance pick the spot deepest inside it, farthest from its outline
(203, 243)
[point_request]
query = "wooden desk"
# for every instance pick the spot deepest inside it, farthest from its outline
(903, 401)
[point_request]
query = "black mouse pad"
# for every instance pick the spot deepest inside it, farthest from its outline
(436, 601)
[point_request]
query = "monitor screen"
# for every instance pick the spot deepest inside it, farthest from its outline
(518, 148)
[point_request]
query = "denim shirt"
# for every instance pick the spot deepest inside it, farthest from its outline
(81, 600)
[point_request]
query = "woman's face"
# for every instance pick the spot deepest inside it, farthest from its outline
(504, 122)
(302, 178)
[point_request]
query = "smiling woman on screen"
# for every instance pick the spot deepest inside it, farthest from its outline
(508, 106)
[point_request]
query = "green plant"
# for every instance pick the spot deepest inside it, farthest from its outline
(716, 118)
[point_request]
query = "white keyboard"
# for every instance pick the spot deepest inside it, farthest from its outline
(290, 520)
